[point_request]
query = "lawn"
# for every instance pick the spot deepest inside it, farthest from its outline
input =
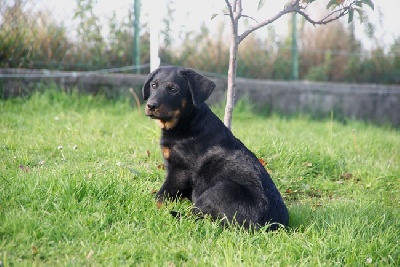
(78, 175)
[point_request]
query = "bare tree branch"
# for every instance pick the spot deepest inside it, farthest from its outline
(332, 16)
(239, 6)
(294, 7)
(334, 12)
(234, 6)
(230, 10)
(299, 8)
(324, 20)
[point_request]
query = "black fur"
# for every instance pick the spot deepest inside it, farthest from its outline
(204, 161)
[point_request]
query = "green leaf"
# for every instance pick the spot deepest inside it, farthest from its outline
(261, 4)
(360, 14)
(331, 2)
(369, 3)
(351, 15)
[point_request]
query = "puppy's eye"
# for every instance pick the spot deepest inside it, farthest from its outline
(153, 85)
(173, 89)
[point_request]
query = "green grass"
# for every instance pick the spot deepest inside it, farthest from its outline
(92, 202)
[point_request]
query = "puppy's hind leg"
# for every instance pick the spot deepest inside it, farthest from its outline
(228, 202)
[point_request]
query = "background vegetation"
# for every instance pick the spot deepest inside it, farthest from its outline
(34, 39)
(79, 173)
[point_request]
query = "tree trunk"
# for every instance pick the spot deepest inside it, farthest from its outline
(298, 6)
(230, 94)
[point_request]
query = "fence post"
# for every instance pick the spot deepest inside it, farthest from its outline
(154, 34)
(136, 38)
(295, 55)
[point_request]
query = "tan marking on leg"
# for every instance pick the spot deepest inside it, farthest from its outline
(166, 151)
(159, 204)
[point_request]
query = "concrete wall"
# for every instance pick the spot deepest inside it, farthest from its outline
(370, 102)
(17, 82)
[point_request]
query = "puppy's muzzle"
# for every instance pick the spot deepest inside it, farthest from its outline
(152, 109)
(152, 106)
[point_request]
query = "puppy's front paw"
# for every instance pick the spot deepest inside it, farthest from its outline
(159, 204)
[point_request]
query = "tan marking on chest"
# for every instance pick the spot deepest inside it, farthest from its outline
(160, 124)
(166, 151)
(168, 125)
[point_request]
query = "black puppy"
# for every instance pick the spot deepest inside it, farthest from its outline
(204, 161)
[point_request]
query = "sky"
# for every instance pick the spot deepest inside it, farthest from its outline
(190, 14)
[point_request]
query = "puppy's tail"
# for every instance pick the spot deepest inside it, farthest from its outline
(175, 214)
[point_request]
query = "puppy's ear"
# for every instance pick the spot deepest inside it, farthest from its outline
(146, 86)
(200, 86)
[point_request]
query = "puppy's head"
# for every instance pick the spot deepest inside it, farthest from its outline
(172, 92)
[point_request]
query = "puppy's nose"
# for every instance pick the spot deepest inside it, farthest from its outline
(152, 106)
